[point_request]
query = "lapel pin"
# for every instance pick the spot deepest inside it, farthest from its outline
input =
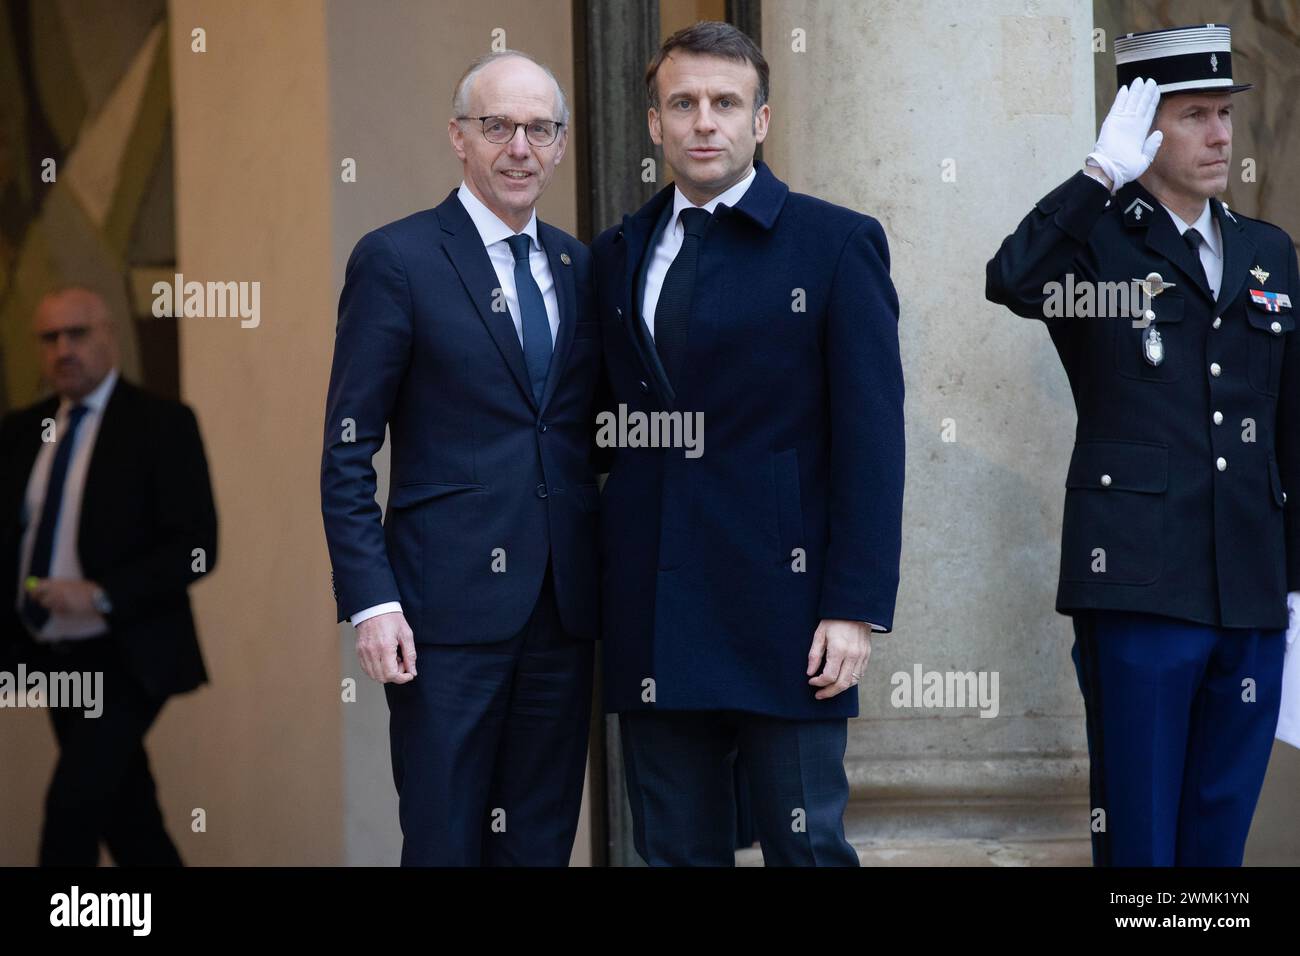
(564, 257)
(1259, 274)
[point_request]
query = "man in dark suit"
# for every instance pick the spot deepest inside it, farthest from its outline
(741, 585)
(465, 329)
(107, 518)
(1179, 544)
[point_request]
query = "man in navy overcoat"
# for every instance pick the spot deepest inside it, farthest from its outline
(742, 576)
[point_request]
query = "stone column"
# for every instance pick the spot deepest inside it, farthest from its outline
(947, 122)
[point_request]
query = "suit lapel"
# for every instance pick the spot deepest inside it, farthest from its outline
(639, 233)
(28, 447)
(1143, 214)
(566, 297)
(1163, 237)
(1238, 254)
(97, 483)
(464, 247)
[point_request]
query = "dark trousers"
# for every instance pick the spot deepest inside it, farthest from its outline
(682, 787)
(102, 788)
(1180, 720)
(489, 747)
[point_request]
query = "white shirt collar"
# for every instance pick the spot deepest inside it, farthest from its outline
(97, 398)
(1204, 224)
(730, 197)
(490, 227)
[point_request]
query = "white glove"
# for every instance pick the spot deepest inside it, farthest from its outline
(1288, 718)
(1124, 150)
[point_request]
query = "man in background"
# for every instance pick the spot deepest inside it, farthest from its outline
(106, 518)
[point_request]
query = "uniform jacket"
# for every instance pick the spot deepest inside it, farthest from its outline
(146, 505)
(1184, 473)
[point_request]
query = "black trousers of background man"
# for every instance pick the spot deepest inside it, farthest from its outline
(102, 789)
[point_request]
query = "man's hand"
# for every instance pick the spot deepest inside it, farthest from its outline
(378, 639)
(846, 646)
(65, 595)
(1126, 146)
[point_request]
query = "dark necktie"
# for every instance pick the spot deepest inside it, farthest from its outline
(1194, 239)
(673, 310)
(533, 322)
(43, 548)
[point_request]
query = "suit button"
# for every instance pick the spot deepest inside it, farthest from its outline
(1217, 323)
(618, 311)
(1215, 370)
(541, 491)
(1221, 464)
(1149, 315)
(644, 386)
(1276, 327)
(543, 428)
(1105, 481)
(1218, 418)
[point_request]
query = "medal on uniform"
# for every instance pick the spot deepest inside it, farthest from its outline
(1153, 347)
(1153, 284)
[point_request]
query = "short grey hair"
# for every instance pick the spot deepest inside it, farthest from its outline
(460, 99)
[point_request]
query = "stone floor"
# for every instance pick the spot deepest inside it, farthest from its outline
(959, 852)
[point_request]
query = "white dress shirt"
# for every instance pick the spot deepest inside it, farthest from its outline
(64, 562)
(670, 243)
(494, 234)
(1211, 250)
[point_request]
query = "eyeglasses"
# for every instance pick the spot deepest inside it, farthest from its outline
(501, 129)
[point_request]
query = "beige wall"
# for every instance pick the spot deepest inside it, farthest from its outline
(259, 748)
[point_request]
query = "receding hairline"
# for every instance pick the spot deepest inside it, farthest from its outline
(464, 86)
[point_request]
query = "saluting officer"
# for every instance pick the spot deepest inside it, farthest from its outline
(1179, 544)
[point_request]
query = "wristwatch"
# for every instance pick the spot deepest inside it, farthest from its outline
(100, 602)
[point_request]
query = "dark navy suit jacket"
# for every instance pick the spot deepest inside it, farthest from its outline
(792, 358)
(146, 506)
(1181, 537)
(479, 472)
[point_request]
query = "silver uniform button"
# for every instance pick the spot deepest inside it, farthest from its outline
(1149, 315)
(1215, 370)
(1217, 323)
(1218, 418)
(1221, 464)
(1276, 327)
(1105, 481)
